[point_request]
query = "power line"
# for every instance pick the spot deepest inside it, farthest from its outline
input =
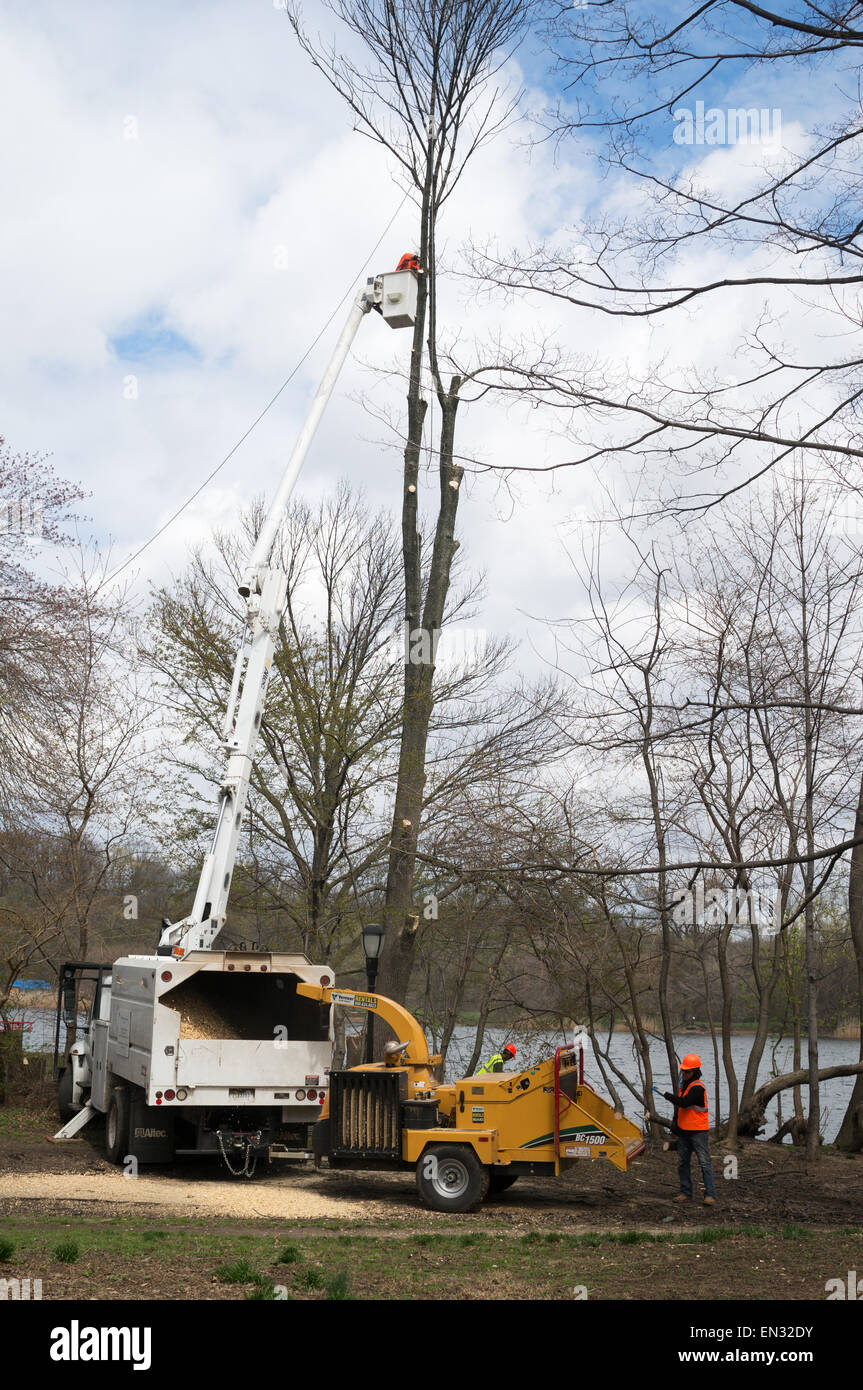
(288, 379)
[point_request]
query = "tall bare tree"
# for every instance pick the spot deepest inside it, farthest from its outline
(424, 87)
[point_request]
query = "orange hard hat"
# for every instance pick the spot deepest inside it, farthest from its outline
(691, 1062)
(509, 1049)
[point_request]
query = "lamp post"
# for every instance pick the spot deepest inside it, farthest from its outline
(373, 943)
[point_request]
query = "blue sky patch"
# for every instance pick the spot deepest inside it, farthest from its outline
(150, 339)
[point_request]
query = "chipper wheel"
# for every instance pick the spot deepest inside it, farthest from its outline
(451, 1178)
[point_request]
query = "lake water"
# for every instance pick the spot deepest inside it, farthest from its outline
(835, 1093)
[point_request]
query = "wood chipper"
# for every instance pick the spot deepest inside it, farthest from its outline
(469, 1138)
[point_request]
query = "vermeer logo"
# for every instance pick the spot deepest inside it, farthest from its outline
(76, 1343)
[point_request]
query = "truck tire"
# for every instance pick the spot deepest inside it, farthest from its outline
(499, 1182)
(451, 1178)
(117, 1125)
(65, 1109)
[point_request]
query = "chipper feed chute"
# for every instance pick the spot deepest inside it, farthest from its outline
(585, 1125)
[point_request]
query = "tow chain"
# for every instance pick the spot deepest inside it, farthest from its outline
(249, 1163)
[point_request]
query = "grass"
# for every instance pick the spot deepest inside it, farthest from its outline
(26, 1119)
(7, 1249)
(792, 1232)
(240, 1272)
(337, 1287)
(707, 1235)
(67, 1252)
(445, 1263)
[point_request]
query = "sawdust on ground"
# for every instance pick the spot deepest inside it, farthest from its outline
(279, 1198)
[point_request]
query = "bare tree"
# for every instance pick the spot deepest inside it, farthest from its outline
(850, 1135)
(315, 837)
(687, 248)
(82, 777)
(425, 89)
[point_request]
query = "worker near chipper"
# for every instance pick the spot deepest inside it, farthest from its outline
(496, 1062)
(691, 1125)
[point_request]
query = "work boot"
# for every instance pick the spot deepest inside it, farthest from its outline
(710, 1201)
(682, 1197)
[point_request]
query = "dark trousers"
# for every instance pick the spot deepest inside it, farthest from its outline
(689, 1142)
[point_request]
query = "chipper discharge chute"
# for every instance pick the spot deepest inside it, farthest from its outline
(469, 1138)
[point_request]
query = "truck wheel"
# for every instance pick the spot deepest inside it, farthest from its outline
(65, 1109)
(451, 1178)
(499, 1182)
(117, 1126)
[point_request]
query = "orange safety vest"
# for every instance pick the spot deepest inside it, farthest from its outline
(696, 1116)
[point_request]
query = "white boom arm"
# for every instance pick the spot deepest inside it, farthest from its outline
(264, 588)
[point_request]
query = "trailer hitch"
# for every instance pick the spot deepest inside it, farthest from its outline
(247, 1144)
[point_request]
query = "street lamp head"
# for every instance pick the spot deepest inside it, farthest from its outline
(373, 942)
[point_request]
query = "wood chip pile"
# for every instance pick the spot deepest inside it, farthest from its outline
(198, 1017)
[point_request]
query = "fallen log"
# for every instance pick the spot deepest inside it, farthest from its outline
(752, 1118)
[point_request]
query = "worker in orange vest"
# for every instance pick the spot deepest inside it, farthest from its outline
(691, 1125)
(409, 261)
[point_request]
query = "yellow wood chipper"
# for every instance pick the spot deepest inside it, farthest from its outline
(469, 1138)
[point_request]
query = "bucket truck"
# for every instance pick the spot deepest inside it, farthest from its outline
(196, 1050)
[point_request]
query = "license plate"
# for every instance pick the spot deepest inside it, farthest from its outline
(236, 1093)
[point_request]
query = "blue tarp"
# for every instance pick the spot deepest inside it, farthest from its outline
(31, 984)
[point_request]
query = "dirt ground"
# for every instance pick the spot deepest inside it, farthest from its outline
(772, 1187)
(191, 1232)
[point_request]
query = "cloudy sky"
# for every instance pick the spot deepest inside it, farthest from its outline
(186, 204)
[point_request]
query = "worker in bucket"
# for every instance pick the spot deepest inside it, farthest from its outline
(691, 1125)
(496, 1063)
